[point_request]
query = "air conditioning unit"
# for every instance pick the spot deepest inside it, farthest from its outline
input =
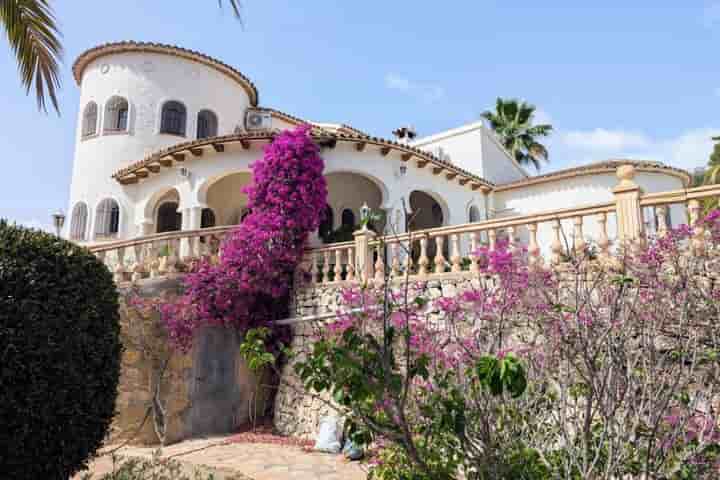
(258, 120)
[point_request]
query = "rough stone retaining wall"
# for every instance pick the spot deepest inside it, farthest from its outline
(298, 412)
(206, 391)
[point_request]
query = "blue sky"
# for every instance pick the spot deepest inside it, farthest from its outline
(640, 81)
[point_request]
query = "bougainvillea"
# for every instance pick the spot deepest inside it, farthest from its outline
(594, 370)
(250, 284)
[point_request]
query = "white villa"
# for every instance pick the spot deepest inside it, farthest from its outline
(166, 136)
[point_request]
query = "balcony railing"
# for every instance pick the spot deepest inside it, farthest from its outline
(550, 237)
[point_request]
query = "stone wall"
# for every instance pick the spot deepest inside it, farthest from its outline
(206, 391)
(298, 412)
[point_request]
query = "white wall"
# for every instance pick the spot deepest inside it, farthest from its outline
(474, 149)
(146, 80)
(574, 192)
(379, 182)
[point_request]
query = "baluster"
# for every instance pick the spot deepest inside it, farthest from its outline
(408, 256)
(350, 276)
(492, 239)
(120, 267)
(395, 252)
(439, 257)
(556, 247)
(423, 261)
(512, 239)
(138, 268)
(534, 258)
(154, 259)
(163, 247)
(455, 258)
(314, 267)
(473, 256)
(661, 216)
(578, 237)
(338, 266)
(379, 264)
(326, 267)
(195, 247)
(698, 238)
(215, 251)
(101, 256)
(603, 240)
(172, 258)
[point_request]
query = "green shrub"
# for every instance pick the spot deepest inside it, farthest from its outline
(59, 354)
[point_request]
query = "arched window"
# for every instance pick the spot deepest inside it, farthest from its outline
(326, 226)
(116, 115)
(348, 219)
(168, 218)
(207, 218)
(172, 119)
(90, 118)
(78, 222)
(107, 218)
(207, 124)
(474, 214)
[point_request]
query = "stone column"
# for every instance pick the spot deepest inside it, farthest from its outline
(627, 205)
(364, 268)
(190, 221)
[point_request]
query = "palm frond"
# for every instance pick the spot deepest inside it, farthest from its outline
(35, 39)
(542, 130)
(235, 5)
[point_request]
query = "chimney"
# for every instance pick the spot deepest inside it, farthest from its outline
(405, 134)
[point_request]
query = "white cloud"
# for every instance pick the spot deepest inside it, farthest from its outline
(688, 149)
(711, 14)
(602, 139)
(425, 92)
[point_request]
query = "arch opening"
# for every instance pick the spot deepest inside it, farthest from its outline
(207, 124)
(90, 119)
(173, 118)
(116, 115)
(78, 222)
(107, 219)
(224, 196)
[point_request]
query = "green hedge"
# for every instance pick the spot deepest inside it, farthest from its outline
(59, 354)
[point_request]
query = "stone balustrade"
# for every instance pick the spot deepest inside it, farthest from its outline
(427, 254)
(160, 254)
(549, 237)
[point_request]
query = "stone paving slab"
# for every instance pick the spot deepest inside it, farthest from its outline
(253, 461)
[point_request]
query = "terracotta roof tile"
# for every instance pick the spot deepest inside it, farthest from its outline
(130, 46)
(318, 134)
(590, 168)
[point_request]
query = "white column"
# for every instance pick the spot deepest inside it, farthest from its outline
(190, 221)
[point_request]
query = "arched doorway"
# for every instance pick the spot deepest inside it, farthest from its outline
(347, 193)
(426, 212)
(168, 217)
(226, 199)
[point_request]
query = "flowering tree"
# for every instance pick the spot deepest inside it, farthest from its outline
(249, 286)
(592, 371)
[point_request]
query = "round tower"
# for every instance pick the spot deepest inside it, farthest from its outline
(135, 99)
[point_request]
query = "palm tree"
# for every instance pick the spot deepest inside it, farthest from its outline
(34, 37)
(512, 122)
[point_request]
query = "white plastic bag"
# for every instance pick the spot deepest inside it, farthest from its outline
(329, 436)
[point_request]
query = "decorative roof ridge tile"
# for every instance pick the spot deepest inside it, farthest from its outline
(318, 134)
(595, 167)
(101, 50)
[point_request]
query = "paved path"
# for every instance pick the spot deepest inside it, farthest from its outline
(247, 461)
